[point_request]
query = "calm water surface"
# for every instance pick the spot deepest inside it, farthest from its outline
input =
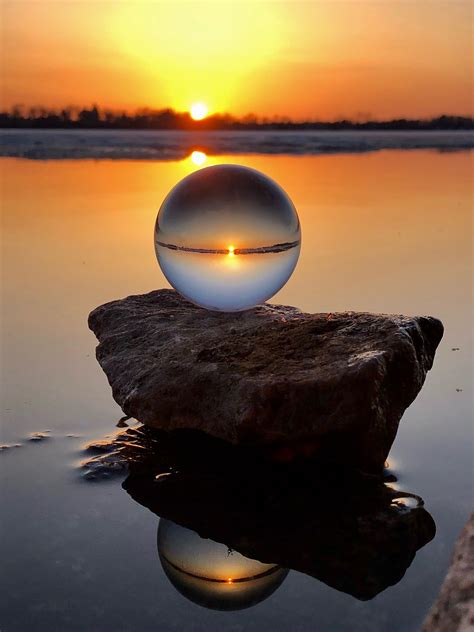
(388, 232)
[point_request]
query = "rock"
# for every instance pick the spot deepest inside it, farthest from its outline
(39, 436)
(271, 374)
(453, 610)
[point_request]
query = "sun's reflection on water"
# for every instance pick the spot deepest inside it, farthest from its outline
(198, 158)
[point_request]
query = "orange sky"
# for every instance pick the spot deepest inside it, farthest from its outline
(325, 59)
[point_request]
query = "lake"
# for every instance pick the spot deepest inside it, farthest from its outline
(384, 231)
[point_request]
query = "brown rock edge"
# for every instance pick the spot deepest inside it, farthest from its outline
(453, 610)
(273, 374)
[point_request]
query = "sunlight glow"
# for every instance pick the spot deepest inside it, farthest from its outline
(159, 55)
(232, 263)
(199, 111)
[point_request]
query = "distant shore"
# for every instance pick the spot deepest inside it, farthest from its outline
(167, 119)
(178, 145)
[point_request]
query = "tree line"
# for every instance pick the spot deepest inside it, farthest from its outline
(74, 117)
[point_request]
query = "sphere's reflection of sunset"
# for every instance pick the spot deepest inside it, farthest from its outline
(212, 575)
(227, 237)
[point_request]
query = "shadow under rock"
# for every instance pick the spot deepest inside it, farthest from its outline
(351, 531)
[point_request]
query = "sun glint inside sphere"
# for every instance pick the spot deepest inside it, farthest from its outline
(227, 237)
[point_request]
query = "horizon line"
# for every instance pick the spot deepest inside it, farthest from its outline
(104, 116)
(262, 250)
(169, 120)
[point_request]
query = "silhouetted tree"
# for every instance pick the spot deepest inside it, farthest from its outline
(167, 119)
(89, 118)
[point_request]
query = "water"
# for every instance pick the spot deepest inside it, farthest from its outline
(227, 237)
(387, 231)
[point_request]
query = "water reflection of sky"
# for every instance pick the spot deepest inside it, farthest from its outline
(387, 232)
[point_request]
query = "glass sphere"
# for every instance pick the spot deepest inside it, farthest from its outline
(212, 575)
(227, 237)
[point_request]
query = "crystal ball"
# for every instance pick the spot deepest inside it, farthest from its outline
(212, 575)
(227, 237)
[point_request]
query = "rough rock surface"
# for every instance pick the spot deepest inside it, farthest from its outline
(453, 610)
(270, 374)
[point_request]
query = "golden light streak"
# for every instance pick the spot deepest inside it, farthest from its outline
(233, 263)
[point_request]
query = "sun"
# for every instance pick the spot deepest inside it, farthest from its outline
(199, 111)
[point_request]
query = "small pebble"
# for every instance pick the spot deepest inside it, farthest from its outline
(122, 422)
(7, 446)
(39, 436)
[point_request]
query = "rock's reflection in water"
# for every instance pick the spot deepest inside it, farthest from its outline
(351, 531)
(211, 574)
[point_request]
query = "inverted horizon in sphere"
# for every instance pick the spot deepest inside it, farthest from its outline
(212, 575)
(227, 237)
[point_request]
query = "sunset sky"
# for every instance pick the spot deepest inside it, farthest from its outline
(302, 59)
